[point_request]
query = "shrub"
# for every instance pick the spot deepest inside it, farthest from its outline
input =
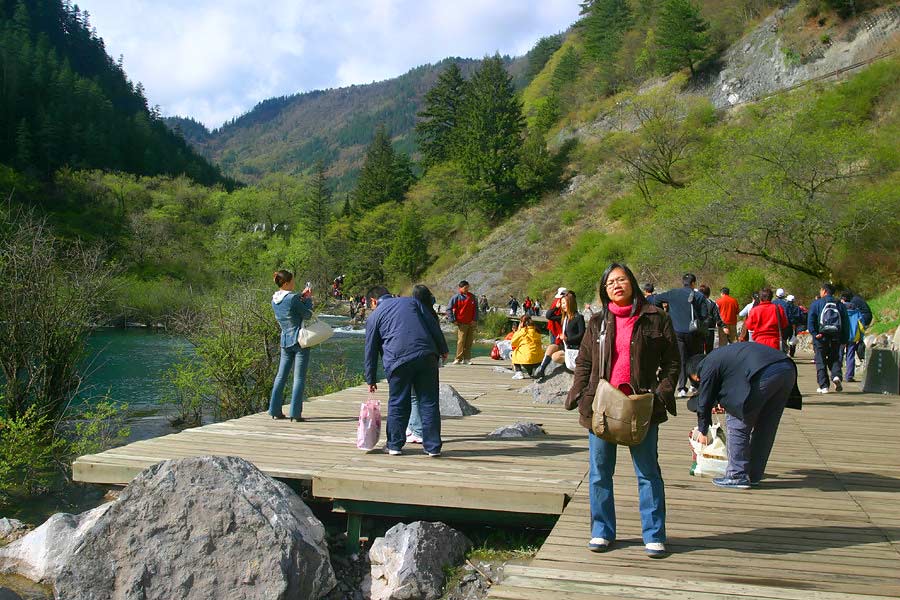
(494, 324)
(28, 453)
(189, 392)
(743, 281)
(330, 376)
(100, 427)
(569, 217)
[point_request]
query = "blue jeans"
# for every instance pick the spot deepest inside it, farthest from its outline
(415, 418)
(850, 351)
(421, 375)
(300, 367)
(750, 440)
(651, 489)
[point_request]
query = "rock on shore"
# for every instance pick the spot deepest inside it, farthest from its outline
(204, 527)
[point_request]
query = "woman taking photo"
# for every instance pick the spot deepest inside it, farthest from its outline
(290, 311)
(639, 343)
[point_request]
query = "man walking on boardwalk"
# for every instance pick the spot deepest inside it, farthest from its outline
(728, 312)
(463, 310)
(829, 326)
(411, 343)
(688, 310)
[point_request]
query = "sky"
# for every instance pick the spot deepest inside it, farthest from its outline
(215, 59)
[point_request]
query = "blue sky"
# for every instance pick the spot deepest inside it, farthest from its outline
(215, 59)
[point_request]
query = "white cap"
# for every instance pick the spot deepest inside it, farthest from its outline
(561, 292)
(790, 298)
(779, 292)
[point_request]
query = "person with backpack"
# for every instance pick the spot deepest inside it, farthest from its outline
(829, 326)
(796, 315)
(856, 321)
(463, 310)
(688, 311)
(630, 344)
(713, 319)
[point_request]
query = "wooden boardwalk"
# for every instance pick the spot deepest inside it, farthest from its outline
(826, 524)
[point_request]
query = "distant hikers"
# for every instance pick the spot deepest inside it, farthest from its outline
(483, 305)
(513, 305)
(463, 310)
(407, 336)
(713, 320)
(828, 324)
(754, 383)
(290, 309)
(638, 349)
(856, 335)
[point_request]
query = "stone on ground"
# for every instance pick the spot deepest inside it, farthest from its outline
(203, 527)
(408, 562)
(518, 430)
(552, 389)
(12, 529)
(454, 405)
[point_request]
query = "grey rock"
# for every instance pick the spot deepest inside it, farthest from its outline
(203, 527)
(553, 389)
(517, 431)
(12, 529)
(8, 594)
(408, 562)
(454, 405)
(503, 370)
(43, 554)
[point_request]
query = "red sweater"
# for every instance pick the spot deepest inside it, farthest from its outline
(621, 358)
(766, 320)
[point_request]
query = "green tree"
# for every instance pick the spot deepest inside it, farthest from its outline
(681, 35)
(567, 69)
(604, 23)
(439, 119)
(490, 137)
(536, 166)
(541, 53)
(382, 178)
(316, 213)
(409, 251)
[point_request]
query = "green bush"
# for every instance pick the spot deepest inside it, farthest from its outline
(28, 453)
(100, 427)
(569, 217)
(151, 302)
(886, 309)
(494, 324)
(189, 392)
(743, 281)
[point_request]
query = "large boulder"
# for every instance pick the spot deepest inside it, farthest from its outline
(408, 562)
(204, 527)
(552, 389)
(454, 405)
(11, 530)
(519, 430)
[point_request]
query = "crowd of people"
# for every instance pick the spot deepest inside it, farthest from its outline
(648, 346)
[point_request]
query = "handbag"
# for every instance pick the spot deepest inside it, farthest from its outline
(314, 332)
(619, 418)
(570, 353)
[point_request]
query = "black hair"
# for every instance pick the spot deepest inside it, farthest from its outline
(463, 283)
(704, 289)
(765, 294)
(689, 279)
(282, 277)
(694, 364)
(847, 295)
(424, 295)
(637, 298)
(726, 291)
(648, 287)
(829, 289)
(377, 292)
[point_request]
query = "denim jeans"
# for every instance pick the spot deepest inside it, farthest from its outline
(651, 489)
(415, 418)
(827, 356)
(750, 439)
(297, 358)
(850, 351)
(419, 375)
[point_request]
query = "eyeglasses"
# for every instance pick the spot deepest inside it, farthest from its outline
(621, 281)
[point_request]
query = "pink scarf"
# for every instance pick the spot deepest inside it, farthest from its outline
(621, 356)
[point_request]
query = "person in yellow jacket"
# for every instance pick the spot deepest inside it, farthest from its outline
(527, 348)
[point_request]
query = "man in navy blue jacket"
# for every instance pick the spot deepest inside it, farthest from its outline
(410, 341)
(685, 305)
(829, 326)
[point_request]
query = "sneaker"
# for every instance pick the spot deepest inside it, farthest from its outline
(656, 550)
(456, 362)
(732, 482)
(518, 375)
(837, 384)
(681, 394)
(692, 391)
(755, 484)
(394, 452)
(412, 438)
(467, 362)
(851, 380)
(433, 454)
(599, 545)
(822, 390)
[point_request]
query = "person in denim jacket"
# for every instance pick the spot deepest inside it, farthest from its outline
(290, 311)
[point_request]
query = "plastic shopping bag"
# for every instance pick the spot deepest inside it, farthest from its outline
(710, 460)
(369, 429)
(505, 347)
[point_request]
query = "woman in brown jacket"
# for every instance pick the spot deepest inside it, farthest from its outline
(640, 350)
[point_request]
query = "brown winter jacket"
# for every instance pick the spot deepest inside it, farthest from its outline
(655, 362)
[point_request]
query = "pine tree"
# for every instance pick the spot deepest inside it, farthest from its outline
(439, 118)
(23, 146)
(566, 69)
(376, 180)
(317, 212)
(681, 35)
(541, 53)
(604, 24)
(490, 136)
(409, 251)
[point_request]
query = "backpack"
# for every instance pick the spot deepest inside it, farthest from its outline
(857, 329)
(830, 320)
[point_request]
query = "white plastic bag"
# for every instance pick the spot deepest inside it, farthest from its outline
(710, 460)
(369, 428)
(505, 347)
(314, 332)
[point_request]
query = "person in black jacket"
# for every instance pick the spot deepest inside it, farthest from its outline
(685, 306)
(572, 330)
(753, 383)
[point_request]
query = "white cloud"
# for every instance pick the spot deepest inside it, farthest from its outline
(215, 59)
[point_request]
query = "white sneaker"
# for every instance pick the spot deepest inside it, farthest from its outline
(822, 390)
(598, 545)
(467, 362)
(518, 375)
(692, 391)
(412, 438)
(456, 362)
(655, 550)
(681, 394)
(837, 384)
(394, 452)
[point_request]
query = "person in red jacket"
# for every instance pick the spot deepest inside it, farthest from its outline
(766, 320)
(463, 310)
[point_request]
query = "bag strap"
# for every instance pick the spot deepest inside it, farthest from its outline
(602, 338)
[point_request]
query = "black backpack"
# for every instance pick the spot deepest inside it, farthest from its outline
(830, 320)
